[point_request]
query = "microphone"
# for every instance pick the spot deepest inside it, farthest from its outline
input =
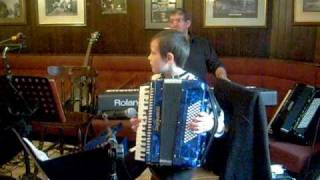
(19, 37)
(107, 136)
(119, 114)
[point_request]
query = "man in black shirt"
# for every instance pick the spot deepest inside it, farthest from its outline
(202, 58)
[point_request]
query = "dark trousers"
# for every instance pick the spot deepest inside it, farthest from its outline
(129, 168)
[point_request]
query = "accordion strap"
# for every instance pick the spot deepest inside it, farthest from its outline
(215, 110)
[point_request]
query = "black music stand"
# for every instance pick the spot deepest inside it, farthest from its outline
(15, 92)
(42, 93)
(36, 92)
(32, 98)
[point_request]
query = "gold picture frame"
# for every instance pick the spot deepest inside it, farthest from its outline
(114, 6)
(66, 13)
(157, 12)
(12, 12)
(306, 12)
(243, 13)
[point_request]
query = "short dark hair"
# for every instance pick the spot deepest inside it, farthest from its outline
(175, 42)
(181, 12)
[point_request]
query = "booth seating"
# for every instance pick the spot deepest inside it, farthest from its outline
(123, 71)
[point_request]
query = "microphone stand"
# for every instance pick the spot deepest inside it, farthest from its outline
(114, 151)
(28, 110)
(6, 40)
(9, 80)
(19, 36)
(12, 47)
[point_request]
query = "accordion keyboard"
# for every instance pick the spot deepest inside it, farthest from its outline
(142, 142)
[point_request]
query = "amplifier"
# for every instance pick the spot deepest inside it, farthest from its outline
(117, 100)
(122, 99)
(268, 97)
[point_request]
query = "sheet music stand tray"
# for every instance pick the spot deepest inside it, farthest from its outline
(37, 93)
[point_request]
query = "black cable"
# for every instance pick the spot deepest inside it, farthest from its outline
(87, 129)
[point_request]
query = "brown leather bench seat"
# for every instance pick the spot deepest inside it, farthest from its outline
(118, 72)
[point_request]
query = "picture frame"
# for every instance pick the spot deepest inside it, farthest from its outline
(241, 13)
(306, 12)
(113, 6)
(13, 12)
(157, 12)
(65, 13)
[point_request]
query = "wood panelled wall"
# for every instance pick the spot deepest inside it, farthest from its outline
(289, 41)
(125, 33)
(317, 51)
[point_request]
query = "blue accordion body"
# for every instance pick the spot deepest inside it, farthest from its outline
(166, 137)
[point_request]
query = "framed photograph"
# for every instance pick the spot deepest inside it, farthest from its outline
(307, 12)
(12, 12)
(114, 6)
(157, 12)
(61, 12)
(235, 13)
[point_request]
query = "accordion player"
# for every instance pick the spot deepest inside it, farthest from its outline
(165, 108)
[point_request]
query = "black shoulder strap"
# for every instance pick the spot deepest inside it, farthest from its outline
(216, 109)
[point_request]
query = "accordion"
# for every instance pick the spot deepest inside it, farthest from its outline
(165, 108)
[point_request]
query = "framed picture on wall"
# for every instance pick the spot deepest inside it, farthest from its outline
(114, 6)
(61, 12)
(307, 12)
(235, 13)
(157, 12)
(12, 12)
